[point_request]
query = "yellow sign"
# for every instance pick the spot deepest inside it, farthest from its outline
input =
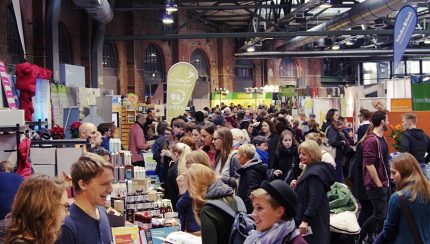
(181, 80)
(401, 105)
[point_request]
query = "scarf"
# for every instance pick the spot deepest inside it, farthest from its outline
(274, 235)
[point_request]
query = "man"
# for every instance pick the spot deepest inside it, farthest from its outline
(252, 173)
(414, 140)
(178, 128)
(151, 117)
(363, 116)
(92, 178)
(137, 142)
(87, 131)
(376, 173)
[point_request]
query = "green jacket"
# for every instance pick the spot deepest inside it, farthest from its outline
(340, 198)
(216, 225)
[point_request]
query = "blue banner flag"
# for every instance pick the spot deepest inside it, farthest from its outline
(404, 26)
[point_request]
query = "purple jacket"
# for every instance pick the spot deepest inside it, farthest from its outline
(373, 154)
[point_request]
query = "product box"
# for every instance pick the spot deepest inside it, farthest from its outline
(116, 221)
(125, 235)
(42, 156)
(138, 185)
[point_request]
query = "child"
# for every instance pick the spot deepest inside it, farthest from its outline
(261, 145)
(286, 163)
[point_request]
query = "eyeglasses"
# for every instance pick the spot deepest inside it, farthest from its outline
(66, 207)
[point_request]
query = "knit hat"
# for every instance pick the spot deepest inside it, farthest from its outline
(283, 194)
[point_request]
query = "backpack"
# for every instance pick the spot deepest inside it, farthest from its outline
(326, 145)
(243, 223)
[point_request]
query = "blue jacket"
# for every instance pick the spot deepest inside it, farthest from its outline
(186, 214)
(264, 156)
(9, 183)
(396, 228)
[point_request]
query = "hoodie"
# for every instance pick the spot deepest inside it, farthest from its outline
(264, 156)
(416, 142)
(313, 208)
(251, 176)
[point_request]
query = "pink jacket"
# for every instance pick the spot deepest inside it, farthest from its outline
(136, 142)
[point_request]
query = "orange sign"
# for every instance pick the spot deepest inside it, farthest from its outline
(401, 105)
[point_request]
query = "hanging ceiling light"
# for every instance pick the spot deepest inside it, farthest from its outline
(335, 46)
(167, 18)
(250, 48)
(349, 42)
(326, 4)
(171, 6)
(427, 41)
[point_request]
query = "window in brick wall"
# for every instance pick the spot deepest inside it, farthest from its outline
(153, 71)
(110, 61)
(16, 54)
(64, 46)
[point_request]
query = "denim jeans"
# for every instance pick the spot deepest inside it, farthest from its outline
(379, 199)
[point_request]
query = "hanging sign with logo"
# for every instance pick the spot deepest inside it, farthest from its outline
(404, 26)
(181, 80)
(7, 86)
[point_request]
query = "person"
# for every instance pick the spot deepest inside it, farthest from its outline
(9, 182)
(275, 206)
(364, 116)
(414, 188)
(106, 133)
(226, 163)
(184, 204)
(150, 118)
(239, 137)
(260, 143)
(336, 140)
(87, 131)
(272, 139)
(92, 178)
(319, 139)
(203, 186)
(251, 174)
(149, 131)
(137, 142)
(38, 211)
(286, 163)
(178, 166)
(297, 131)
(375, 174)
(178, 128)
(414, 140)
(313, 213)
(197, 136)
(313, 128)
(161, 143)
(207, 133)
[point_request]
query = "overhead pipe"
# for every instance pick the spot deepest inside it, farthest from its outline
(99, 10)
(360, 14)
(331, 53)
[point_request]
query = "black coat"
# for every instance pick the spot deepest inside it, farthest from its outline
(335, 140)
(284, 160)
(272, 142)
(172, 186)
(250, 179)
(416, 142)
(356, 174)
(312, 189)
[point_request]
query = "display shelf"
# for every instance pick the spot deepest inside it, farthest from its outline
(18, 129)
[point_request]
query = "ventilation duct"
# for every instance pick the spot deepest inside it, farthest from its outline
(99, 10)
(360, 14)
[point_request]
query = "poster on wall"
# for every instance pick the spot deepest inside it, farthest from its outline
(420, 93)
(181, 80)
(59, 102)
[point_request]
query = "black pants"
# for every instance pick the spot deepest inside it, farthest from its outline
(378, 197)
(365, 211)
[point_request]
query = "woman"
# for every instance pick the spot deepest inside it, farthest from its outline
(178, 167)
(313, 128)
(273, 139)
(160, 144)
(184, 205)
(414, 188)
(312, 187)
(38, 212)
(207, 137)
(275, 206)
(203, 186)
(226, 162)
(336, 141)
(319, 139)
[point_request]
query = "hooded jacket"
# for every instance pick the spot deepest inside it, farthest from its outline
(416, 142)
(251, 176)
(313, 208)
(215, 224)
(375, 152)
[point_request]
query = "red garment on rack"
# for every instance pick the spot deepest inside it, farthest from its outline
(26, 75)
(24, 166)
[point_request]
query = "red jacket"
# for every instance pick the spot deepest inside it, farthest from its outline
(136, 142)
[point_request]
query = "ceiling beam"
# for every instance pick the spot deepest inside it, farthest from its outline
(219, 7)
(277, 35)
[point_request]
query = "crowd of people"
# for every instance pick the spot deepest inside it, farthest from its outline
(279, 169)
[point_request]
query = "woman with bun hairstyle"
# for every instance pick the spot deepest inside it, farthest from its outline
(412, 190)
(38, 211)
(275, 206)
(313, 213)
(319, 139)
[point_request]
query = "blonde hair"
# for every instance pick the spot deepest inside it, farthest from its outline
(312, 148)
(88, 167)
(199, 157)
(410, 172)
(34, 215)
(411, 117)
(197, 181)
(248, 150)
(317, 137)
(182, 150)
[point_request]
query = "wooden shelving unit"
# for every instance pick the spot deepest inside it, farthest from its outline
(127, 120)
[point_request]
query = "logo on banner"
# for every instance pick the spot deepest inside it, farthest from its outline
(181, 80)
(404, 26)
